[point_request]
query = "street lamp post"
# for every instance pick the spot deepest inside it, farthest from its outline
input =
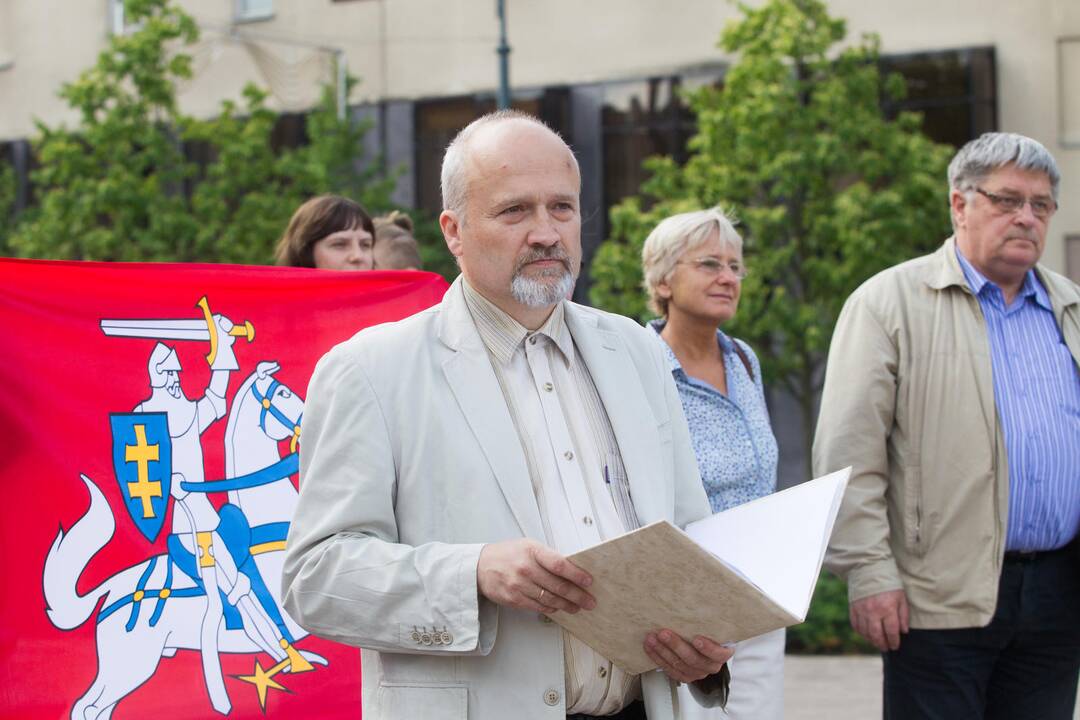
(503, 51)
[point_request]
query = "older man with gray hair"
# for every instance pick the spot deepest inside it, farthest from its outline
(952, 387)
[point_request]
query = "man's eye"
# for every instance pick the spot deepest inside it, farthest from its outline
(1040, 206)
(512, 210)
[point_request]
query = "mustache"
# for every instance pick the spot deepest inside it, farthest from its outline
(549, 253)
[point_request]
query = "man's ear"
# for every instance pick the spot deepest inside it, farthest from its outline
(957, 206)
(451, 230)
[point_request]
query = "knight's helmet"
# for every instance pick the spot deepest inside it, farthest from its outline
(162, 360)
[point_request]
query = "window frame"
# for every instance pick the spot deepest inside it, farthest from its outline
(243, 15)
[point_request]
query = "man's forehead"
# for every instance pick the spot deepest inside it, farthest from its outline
(1010, 177)
(517, 143)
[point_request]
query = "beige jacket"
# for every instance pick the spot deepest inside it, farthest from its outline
(909, 402)
(410, 463)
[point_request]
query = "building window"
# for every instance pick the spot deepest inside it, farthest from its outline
(247, 10)
(955, 90)
(1072, 257)
(641, 119)
(438, 121)
(1068, 59)
(116, 20)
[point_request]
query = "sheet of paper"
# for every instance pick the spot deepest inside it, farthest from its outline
(778, 541)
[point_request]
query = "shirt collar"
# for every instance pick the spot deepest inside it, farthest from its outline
(727, 345)
(977, 281)
(502, 334)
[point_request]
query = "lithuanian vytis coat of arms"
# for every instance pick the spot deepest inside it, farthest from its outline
(216, 589)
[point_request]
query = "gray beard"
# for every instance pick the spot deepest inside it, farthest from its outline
(544, 291)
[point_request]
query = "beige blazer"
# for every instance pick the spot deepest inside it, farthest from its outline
(909, 402)
(409, 463)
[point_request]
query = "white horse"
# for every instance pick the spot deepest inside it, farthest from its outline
(153, 609)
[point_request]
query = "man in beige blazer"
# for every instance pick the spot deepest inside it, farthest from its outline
(450, 461)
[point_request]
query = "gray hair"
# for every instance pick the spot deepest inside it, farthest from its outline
(990, 151)
(674, 237)
(453, 182)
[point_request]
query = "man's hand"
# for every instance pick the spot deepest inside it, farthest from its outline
(684, 661)
(881, 618)
(526, 575)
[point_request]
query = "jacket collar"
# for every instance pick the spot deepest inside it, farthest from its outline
(946, 272)
(472, 380)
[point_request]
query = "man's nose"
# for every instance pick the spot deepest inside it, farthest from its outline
(545, 231)
(1025, 215)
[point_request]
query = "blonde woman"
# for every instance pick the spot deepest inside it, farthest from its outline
(694, 269)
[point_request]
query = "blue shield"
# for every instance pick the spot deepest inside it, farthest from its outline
(142, 459)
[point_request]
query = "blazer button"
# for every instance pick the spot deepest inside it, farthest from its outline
(447, 638)
(551, 697)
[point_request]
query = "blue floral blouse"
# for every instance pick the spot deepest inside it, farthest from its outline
(733, 440)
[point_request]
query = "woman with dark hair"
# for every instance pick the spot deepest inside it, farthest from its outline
(328, 232)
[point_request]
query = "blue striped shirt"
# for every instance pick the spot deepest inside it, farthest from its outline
(1037, 393)
(731, 434)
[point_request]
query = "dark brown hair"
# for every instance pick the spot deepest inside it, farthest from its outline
(315, 219)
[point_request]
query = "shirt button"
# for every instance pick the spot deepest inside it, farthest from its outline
(568, 455)
(603, 672)
(532, 339)
(548, 387)
(587, 520)
(551, 697)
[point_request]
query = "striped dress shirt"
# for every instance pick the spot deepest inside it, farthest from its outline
(574, 463)
(1037, 394)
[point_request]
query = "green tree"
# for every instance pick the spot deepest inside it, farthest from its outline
(119, 187)
(827, 190)
(112, 188)
(7, 206)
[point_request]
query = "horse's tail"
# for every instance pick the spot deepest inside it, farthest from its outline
(69, 554)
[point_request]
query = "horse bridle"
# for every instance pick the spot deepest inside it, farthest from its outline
(268, 407)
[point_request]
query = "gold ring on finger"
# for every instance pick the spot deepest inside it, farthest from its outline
(540, 599)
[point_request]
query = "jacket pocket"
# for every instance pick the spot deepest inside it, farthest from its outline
(430, 701)
(916, 527)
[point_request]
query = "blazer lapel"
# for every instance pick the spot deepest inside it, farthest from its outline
(472, 380)
(632, 419)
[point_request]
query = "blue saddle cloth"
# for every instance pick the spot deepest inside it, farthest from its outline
(238, 537)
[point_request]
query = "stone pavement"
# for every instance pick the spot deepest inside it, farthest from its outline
(836, 688)
(826, 687)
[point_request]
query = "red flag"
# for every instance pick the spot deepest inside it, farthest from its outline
(149, 415)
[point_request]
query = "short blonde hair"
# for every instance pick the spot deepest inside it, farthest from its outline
(674, 237)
